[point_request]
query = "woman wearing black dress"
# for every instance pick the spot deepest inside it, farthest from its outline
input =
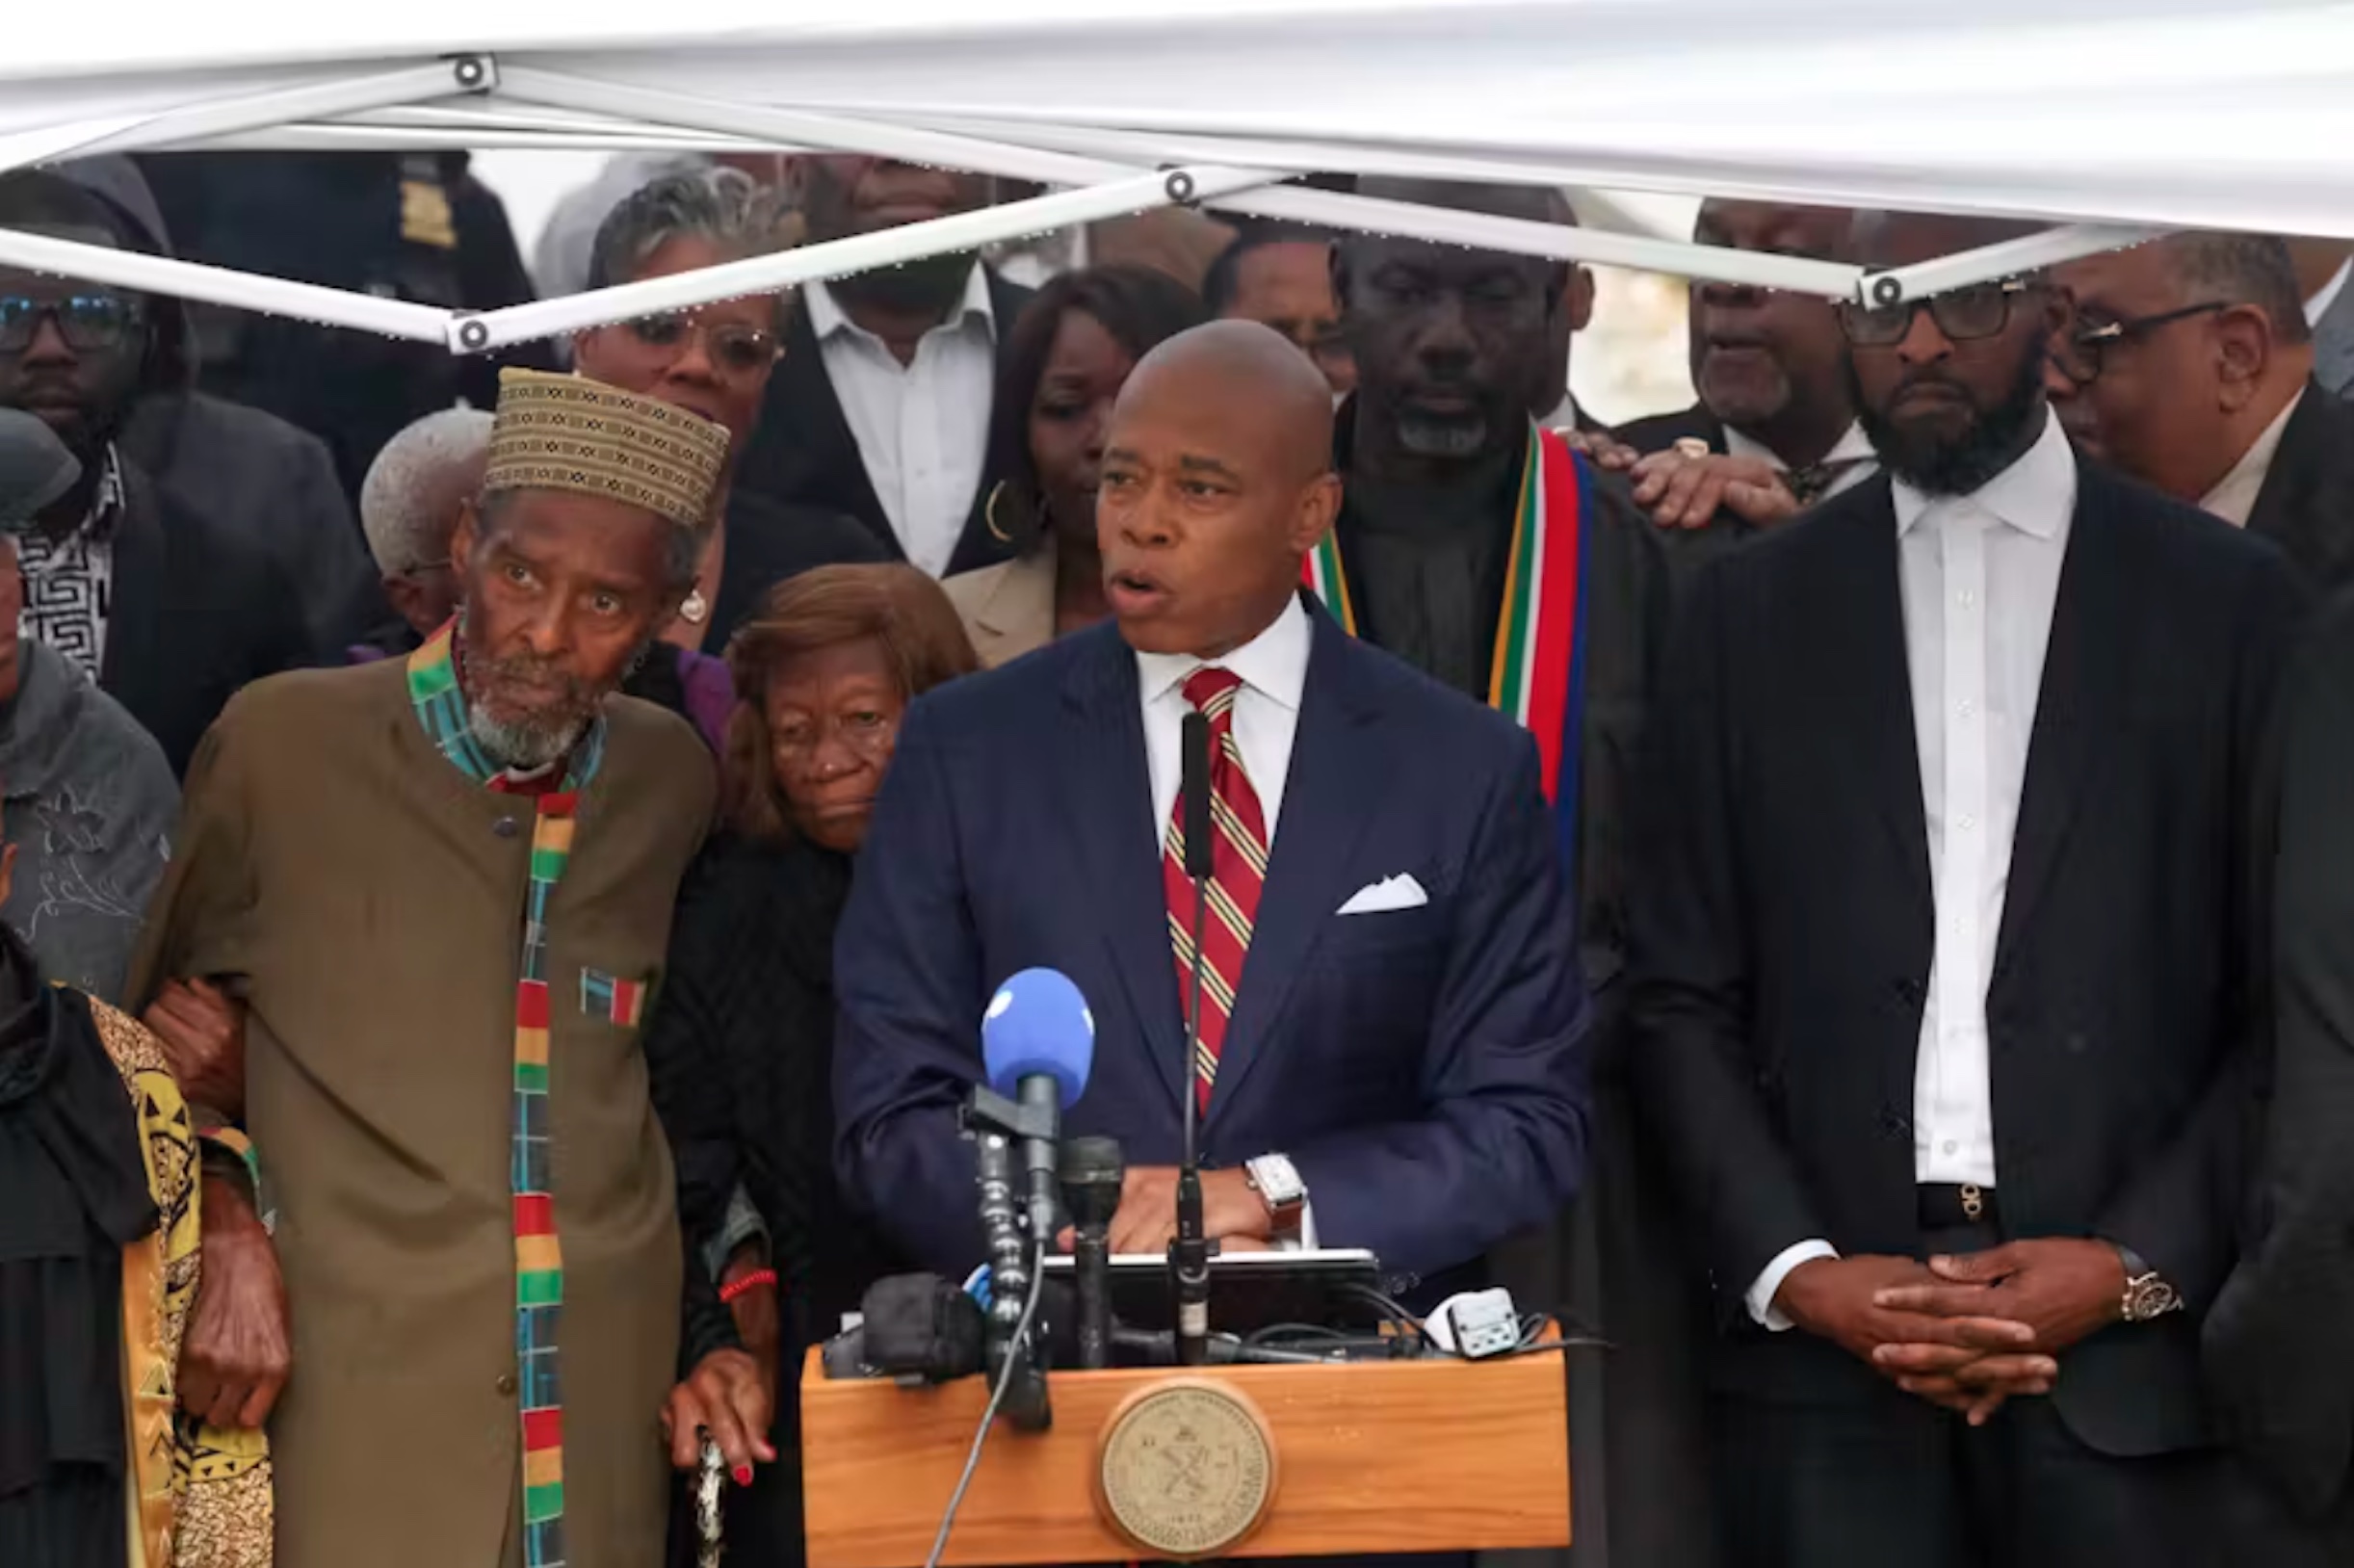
(741, 1044)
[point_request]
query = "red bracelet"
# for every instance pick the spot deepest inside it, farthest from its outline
(746, 1285)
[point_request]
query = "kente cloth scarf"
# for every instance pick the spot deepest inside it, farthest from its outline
(540, 1273)
(1539, 675)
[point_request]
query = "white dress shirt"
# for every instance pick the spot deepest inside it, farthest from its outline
(1853, 448)
(2319, 304)
(1980, 579)
(1275, 670)
(2233, 497)
(923, 428)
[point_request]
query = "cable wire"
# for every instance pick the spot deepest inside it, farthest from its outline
(997, 1397)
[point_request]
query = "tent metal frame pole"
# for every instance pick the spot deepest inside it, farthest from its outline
(1556, 241)
(2028, 253)
(328, 98)
(782, 269)
(143, 273)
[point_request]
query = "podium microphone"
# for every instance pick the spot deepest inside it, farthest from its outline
(1038, 1041)
(1190, 1253)
(1092, 1171)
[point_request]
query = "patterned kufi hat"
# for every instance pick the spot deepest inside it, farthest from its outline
(568, 433)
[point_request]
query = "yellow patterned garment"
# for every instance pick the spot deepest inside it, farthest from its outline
(201, 1496)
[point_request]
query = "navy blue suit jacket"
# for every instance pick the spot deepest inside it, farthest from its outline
(1425, 1069)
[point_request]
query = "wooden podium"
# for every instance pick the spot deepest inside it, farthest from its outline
(1435, 1455)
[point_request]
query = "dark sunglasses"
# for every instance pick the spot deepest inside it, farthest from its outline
(1981, 310)
(736, 349)
(86, 321)
(2083, 358)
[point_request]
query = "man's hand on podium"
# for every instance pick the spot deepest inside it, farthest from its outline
(1233, 1214)
(726, 1397)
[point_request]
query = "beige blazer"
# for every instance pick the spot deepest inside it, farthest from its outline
(1008, 610)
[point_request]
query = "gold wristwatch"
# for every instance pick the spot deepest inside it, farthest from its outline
(2146, 1294)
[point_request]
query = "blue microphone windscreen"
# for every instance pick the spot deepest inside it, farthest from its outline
(1039, 1023)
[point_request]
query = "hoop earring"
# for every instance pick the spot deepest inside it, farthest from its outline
(988, 514)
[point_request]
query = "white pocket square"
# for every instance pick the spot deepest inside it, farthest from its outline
(1391, 893)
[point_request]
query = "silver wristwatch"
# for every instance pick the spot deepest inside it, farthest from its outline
(1276, 1181)
(2146, 1294)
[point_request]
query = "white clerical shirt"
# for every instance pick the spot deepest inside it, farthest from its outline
(2233, 497)
(1981, 580)
(923, 428)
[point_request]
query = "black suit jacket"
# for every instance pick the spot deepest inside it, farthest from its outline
(1783, 924)
(2280, 1339)
(2307, 504)
(803, 451)
(1690, 548)
(197, 613)
(769, 542)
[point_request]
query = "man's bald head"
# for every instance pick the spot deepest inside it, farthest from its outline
(1240, 364)
(1217, 480)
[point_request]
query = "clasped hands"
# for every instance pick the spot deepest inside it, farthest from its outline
(1233, 1214)
(1967, 1332)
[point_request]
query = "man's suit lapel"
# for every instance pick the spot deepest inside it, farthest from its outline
(135, 611)
(2088, 666)
(817, 456)
(2307, 504)
(1108, 800)
(1867, 682)
(1310, 865)
(983, 543)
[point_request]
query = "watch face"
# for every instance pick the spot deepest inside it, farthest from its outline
(2150, 1297)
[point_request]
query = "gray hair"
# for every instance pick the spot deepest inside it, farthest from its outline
(725, 208)
(409, 501)
(2242, 269)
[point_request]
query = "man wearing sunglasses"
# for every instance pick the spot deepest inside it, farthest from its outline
(1941, 969)
(2190, 366)
(167, 608)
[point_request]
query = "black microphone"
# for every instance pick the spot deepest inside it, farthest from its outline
(1091, 1170)
(1037, 1041)
(1190, 1253)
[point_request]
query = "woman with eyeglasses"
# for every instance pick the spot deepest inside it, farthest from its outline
(1069, 356)
(714, 360)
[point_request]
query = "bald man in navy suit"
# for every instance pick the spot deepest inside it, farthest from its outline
(1393, 1032)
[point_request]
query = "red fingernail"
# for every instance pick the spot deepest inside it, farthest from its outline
(744, 1474)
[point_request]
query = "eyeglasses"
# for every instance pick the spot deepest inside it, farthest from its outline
(1981, 310)
(86, 321)
(2088, 344)
(736, 349)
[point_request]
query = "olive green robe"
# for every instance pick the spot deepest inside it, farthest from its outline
(367, 897)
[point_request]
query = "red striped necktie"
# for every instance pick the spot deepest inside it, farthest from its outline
(1238, 869)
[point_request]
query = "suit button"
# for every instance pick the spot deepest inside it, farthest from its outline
(2075, 1045)
(507, 1382)
(505, 827)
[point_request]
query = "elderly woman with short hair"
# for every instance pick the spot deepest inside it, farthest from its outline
(714, 360)
(741, 1045)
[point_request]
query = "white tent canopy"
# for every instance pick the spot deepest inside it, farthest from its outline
(2116, 117)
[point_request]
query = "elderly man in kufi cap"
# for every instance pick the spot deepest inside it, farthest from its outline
(439, 892)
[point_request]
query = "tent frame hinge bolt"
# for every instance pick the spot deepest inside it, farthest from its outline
(474, 73)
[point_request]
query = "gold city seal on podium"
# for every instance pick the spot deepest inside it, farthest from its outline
(1184, 1469)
